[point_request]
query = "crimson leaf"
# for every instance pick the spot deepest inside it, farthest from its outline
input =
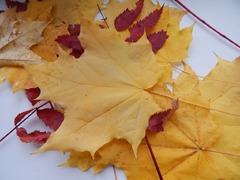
(51, 117)
(157, 40)
(32, 94)
(137, 30)
(74, 29)
(71, 41)
(35, 136)
(127, 17)
(20, 116)
(156, 121)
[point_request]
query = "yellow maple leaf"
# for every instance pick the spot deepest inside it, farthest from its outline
(74, 11)
(104, 91)
(178, 41)
(17, 76)
(19, 35)
(192, 146)
(48, 47)
(221, 87)
(37, 11)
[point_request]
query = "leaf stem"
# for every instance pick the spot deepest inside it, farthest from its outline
(206, 24)
(17, 125)
(103, 17)
(115, 172)
(153, 158)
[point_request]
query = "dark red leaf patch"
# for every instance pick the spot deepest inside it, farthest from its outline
(156, 121)
(157, 40)
(127, 17)
(20, 6)
(71, 41)
(20, 116)
(32, 94)
(137, 30)
(37, 137)
(51, 117)
(74, 29)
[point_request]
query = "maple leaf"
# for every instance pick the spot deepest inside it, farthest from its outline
(172, 45)
(220, 86)
(193, 144)
(18, 36)
(75, 11)
(17, 76)
(48, 47)
(106, 77)
(37, 11)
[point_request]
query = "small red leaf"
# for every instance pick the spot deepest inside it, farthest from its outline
(74, 29)
(51, 117)
(136, 32)
(32, 94)
(71, 41)
(35, 136)
(156, 120)
(157, 40)
(20, 6)
(125, 19)
(20, 116)
(152, 18)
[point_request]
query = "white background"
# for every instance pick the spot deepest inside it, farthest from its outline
(15, 159)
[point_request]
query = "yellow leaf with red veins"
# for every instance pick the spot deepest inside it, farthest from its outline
(116, 81)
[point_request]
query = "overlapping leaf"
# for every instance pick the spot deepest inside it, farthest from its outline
(105, 76)
(192, 146)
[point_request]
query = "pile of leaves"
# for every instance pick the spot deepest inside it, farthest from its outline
(102, 86)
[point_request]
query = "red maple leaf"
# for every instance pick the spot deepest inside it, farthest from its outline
(51, 117)
(127, 17)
